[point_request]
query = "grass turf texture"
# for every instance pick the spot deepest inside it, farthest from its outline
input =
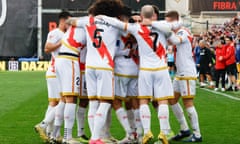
(23, 101)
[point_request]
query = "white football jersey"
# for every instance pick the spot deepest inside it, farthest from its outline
(54, 37)
(184, 58)
(101, 42)
(126, 64)
(151, 45)
(73, 40)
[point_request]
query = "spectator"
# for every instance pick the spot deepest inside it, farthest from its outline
(220, 66)
(205, 64)
(197, 56)
(230, 61)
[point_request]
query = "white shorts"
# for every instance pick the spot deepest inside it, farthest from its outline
(125, 87)
(100, 84)
(155, 85)
(68, 73)
(186, 87)
(83, 86)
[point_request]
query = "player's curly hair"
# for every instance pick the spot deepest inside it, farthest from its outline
(112, 8)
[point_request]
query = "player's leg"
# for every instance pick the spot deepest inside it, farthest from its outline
(162, 81)
(178, 111)
(190, 108)
(46, 125)
(145, 88)
(92, 96)
(132, 94)
(105, 87)
(70, 91)
(120, 96)
(81, 111)
(59, 112)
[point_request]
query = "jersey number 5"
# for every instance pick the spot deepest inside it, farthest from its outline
(155, 38)
(97, 38)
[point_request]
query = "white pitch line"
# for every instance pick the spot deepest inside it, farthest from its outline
(222, 94)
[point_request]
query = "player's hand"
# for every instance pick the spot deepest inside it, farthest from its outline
(210, 65)
(198, 65)
(147, 22)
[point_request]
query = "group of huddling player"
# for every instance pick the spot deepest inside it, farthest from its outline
(113, 56)
(217, 53)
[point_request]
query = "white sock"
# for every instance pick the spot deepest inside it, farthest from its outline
(122, 117)
(93, 106)
(100, 120)
(137, 121)
(48, 110)
(56, 132)
(80, 120)
(106, 129)
(49, 129)
(163, 116)
(59, 113)
(44, 123)
(50, 116)
(145, 116)
(178, 112)
(193, 116)
(130, 115)
(69, 117)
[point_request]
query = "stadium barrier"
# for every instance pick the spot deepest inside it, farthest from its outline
(24, 65)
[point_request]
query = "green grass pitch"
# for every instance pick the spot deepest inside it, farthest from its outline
(23, 101)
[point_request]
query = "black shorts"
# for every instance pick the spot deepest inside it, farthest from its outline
(204, 70)
(231, 69)
(170, 64)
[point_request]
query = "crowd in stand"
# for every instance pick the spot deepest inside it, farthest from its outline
(217, 56)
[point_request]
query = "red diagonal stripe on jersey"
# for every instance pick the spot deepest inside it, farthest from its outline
(71, 39)
(146, 35)
(102, 50)
(161, 52)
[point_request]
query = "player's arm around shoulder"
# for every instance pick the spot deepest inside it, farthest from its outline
(162, 26)
(124, 26)
(78, 21)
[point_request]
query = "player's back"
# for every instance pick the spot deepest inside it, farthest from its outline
(152, 47)
(101, 44)
(126, 59)
(184, 57)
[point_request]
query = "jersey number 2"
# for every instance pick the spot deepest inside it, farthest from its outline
(97, 38)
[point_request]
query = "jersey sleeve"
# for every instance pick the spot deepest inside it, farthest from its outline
(82, 21)
(119, 24)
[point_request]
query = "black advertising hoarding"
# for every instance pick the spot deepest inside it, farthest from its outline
(18, 30)
(49, 20)
(84, 4)
(196, 6)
